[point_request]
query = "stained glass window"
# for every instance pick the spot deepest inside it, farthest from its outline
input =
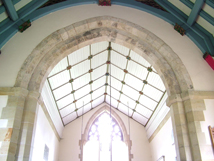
(105, 141)
(105, 128)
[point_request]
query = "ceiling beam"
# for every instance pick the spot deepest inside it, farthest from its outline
(195, 11)
(11, 11)
(196, 33)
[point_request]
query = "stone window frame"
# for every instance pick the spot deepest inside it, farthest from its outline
(106, 108)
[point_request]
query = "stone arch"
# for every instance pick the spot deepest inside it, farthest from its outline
(59, 44)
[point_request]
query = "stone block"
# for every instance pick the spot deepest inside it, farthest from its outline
(185, 154)
(63, 33)
(194, 127)
(80, 27)
(70, 30)
(24, 151)
(4, 147)
(194, 105)
(29, 117)
(183, 140)
(179, 119)
(177, 108)
(196, 153)
(94, 23)
(12, 112)
(181, 129)
(195, 116)
(12, 148)
(49, 42)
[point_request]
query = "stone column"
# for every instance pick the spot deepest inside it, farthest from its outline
(27, 127)
(12, 114)
(187, 114)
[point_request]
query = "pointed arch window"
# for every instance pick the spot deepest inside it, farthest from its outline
(105, 141)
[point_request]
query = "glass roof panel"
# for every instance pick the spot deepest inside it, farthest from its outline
(114, 93)
(84, 109)
(78, 55)
(148, 102)
(124, 109)
(118, 60)
(137, 70)
(85, 99)
(81, 81)
(67, 110)
(136, 57)
(98, 83)
(152, 92)
(143, 111)
(65, 101)
(98, 92)
(116, 84)
(81, 92)
(139, 118)
(113, 102)
(127, 101)
(60, 66)
(80, 69)
(99, 59)
(69, 118)
(117, 72)
(98, 47)
(121, 49)
(62, 91)
(133, 82)
(155, 80)
(131, 92)
(59, 79)
(99, 72)
(97, 101)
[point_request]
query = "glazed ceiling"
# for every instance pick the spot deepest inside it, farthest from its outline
(105, 72)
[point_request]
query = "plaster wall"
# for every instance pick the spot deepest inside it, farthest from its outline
(163, 143)
(69, 145)
(16, 50)
(44, 135)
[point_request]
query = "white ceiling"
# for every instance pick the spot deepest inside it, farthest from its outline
(85, 79)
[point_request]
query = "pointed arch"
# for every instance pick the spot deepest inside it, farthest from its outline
(106, 108)
(99, 112)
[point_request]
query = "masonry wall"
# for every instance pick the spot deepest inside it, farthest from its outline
(44, 135)
(69, 145)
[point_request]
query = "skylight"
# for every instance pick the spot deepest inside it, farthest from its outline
(105, 72)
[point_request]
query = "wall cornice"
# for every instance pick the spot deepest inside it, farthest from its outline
(190, 94)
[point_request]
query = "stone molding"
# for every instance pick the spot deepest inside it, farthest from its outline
(190, 94)
(13, 91)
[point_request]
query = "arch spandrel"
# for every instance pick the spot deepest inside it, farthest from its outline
(64, 41)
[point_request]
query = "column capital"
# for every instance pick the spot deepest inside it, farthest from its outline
(189, 94)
